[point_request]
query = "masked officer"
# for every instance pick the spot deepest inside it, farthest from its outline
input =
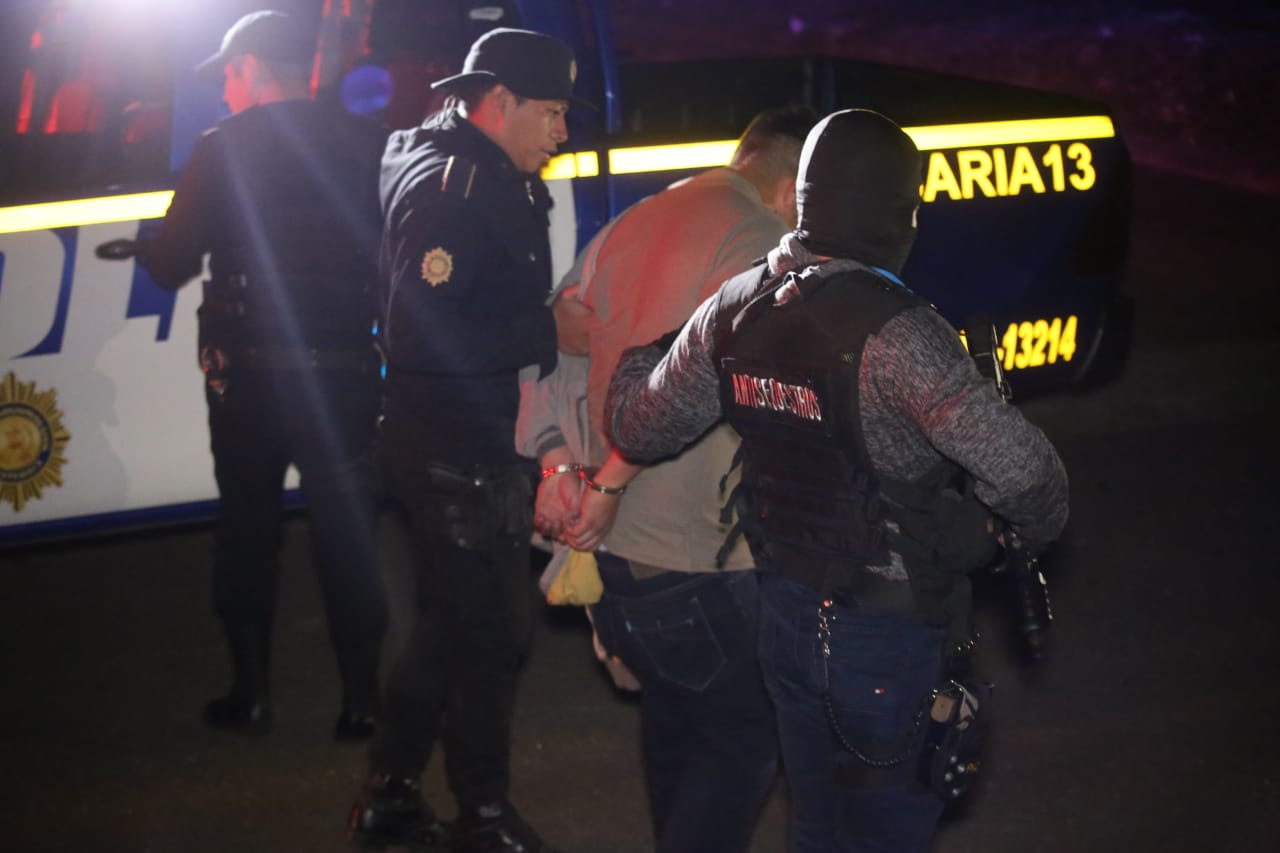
(282, 195)
(466, 269)
(874, 456)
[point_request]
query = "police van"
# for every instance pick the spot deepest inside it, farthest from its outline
(1024, 216)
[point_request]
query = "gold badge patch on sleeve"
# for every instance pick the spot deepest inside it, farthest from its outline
(437, 266)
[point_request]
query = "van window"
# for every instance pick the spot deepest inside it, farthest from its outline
(85, 90)
(88, 87)
(381, 58)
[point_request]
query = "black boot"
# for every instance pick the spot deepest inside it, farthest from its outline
(496, 828)
(245, 709)
(390, 811)
(359, 673)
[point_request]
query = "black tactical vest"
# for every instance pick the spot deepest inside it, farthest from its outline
(810, 504)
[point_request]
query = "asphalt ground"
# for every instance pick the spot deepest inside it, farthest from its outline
(1152, 726)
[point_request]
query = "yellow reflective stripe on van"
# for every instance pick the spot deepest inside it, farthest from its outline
(585, 164)
(647, 158)
(989, 134)
(658, 158)
(84, 211)
(704, 155)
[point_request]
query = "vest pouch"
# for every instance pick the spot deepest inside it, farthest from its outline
(967, 540)
(944, 526)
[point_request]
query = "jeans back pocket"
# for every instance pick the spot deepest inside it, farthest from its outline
(676, 643)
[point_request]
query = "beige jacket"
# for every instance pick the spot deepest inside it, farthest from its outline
(645, 275)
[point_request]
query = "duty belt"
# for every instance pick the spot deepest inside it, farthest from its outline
(225, 359)
(224, 297)
(853, 587)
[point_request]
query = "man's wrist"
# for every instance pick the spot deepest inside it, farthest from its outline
(615, 491)
(563, 468)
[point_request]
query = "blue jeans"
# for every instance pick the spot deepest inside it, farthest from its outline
(882, 668)
(708, 730)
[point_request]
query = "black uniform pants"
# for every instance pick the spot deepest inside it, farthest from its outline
(323, 422)
(455, 680)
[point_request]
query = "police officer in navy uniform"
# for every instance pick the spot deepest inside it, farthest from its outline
(282, 196)
(874, 458)
(466, 271)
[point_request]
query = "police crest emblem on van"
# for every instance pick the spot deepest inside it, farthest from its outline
(32, 439)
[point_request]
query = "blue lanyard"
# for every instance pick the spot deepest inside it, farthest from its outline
(886, 274)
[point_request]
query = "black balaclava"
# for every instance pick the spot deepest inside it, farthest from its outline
(858, 188)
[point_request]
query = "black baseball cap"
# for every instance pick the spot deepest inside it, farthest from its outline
(268, 35)
(532, 65)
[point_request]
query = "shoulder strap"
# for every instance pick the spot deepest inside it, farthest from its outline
(763, 290)
(459, 177)
(812, 277)
(805, 282)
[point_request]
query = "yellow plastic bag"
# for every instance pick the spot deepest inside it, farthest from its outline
(578, 581)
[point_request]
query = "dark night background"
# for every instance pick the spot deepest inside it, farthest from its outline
(1194, 87)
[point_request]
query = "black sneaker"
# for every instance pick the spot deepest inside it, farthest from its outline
(390, 811)
(496, 828)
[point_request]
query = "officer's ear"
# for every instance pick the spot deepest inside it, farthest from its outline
(250, 69)
(495, 98)
(505, 99)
